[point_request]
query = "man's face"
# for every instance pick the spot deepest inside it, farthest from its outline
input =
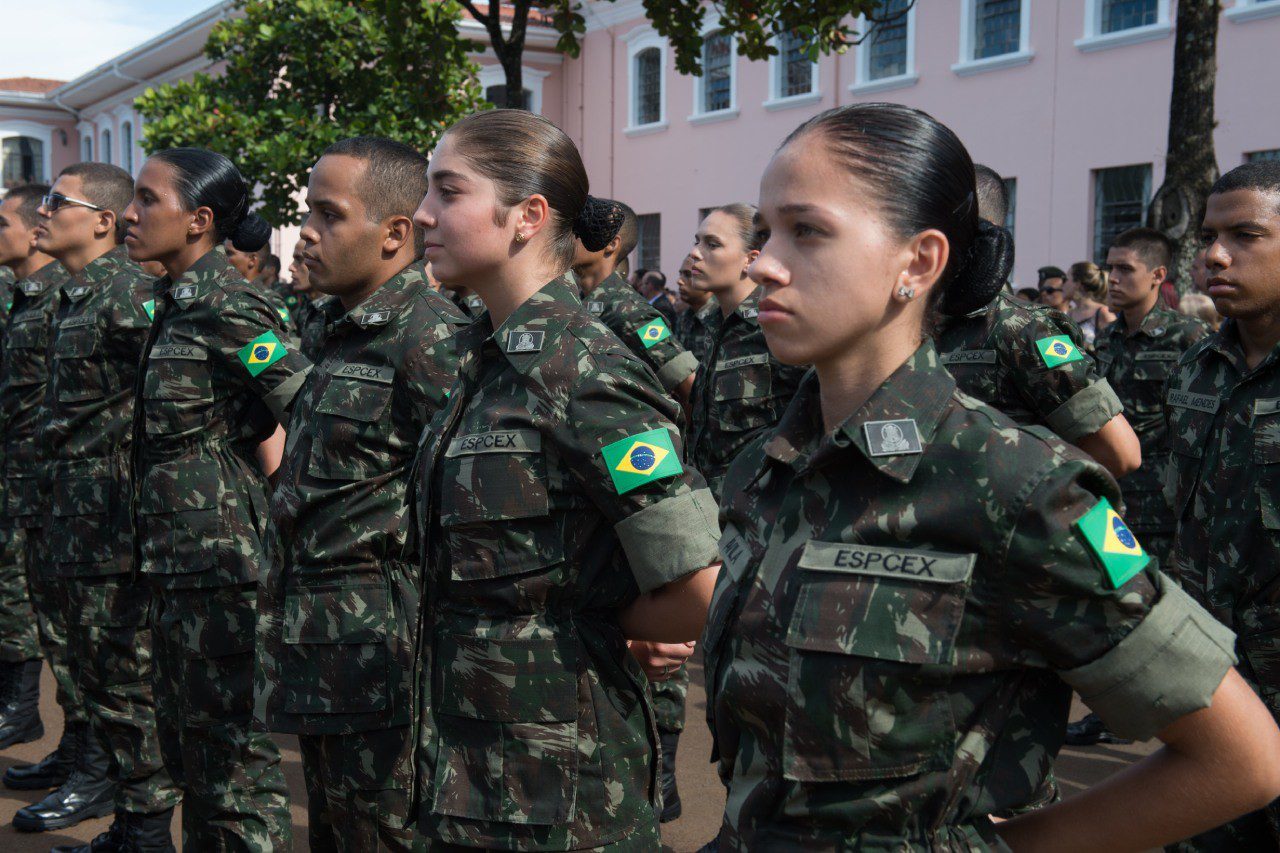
(300, 276)
(343, 247)
(1052, 292)
(17, 238)
(1130, 282)
(1241, 234)
(71, 227)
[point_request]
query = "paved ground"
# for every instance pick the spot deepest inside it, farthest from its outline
(700, 790)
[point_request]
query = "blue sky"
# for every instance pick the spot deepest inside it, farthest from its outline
(63, 39)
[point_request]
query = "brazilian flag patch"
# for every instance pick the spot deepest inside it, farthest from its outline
(641, 459)
(261, 352)
(654, 333)
(284, 315)
(1058, 350)
(150, 307)
(1113, 543)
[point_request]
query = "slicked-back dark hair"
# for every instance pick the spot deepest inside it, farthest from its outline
(28, 197)
(204, 178)
(628, 232)
(1262, 175)
(106, 186)
(993, 195)
(271, 263)
(1152, 246)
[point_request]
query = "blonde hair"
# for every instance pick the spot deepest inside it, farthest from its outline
(1201, 307)
(1091, 278)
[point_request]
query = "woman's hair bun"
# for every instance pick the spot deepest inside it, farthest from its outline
(981, 273)
(251, 234)
(598, 223)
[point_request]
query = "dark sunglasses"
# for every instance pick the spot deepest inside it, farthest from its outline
(54, 202)
(1051, 290)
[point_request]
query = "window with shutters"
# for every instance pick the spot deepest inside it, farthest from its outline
(1120, 199)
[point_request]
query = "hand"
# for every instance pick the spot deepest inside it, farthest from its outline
(660, 660)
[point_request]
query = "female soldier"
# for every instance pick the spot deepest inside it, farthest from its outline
(556, 519)
(914, 584)
(1086, 288)
(218, 373)
(740, 388)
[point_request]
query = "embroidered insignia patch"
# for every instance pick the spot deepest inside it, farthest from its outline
(1112, 543)
(654, 333)
(524, 340)
(640, 459)
(892, 438)
(150, 307)
(262, 352)
(1058, 350)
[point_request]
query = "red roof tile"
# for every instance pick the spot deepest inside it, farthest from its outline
(36, 85)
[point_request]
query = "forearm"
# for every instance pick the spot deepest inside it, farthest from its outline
(1115, 447)
(673, 613)
(271, 451)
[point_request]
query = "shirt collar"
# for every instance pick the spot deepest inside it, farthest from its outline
(918, 391)
(194, 283)
(385, 303)
(95, 272)
(36, 283)
(1153, 325)
(531, 328)
(748, 310)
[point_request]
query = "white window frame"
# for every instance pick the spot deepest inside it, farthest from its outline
(493, 75)
(638, 39)
(1252, 10)
(1095, 39)
(42, 133)
(863, 84)
(967, 65)
(777, 68)
(699, 116)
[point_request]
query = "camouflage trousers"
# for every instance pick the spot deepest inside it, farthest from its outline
(228, 768)
(358, 789)
(110, 638)
(645, 839)
(49, 601)
(19, 638)
(668, 697)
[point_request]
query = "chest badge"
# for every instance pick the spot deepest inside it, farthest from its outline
(523, 340)
(31, 288)
(187, 291)
(78, 292)
(595, 306)
(375, 318)
(892, 438)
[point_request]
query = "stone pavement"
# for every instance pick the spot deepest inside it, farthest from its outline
(700, 790)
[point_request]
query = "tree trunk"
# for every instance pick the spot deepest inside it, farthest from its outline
(1191, 165)
(514, 69)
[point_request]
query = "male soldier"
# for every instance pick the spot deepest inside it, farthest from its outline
(636, 323)
(99, 331)
(1135, 355)
(1029, 362)
(26, 339)
(337, 613)
(308, 317)
(653, 287)
(1223, 480)
(256, 267)
(695, 327)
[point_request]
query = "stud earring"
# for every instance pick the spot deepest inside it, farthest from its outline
(907, 292)
(519, 238)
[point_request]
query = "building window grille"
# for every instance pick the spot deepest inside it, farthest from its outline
(23, 161)
(648, 242)
(997, 28)
(106, 146)
(888, 42)
(794, 67)
(1262, 156)
(648, 93)
(717, 73)
(86, 153)
(1120, 200)
(126, 146)
(1120, 15)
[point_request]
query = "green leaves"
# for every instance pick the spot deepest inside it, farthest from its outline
(299, 75)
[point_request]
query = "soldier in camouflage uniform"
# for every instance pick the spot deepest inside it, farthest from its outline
(219, 372)
(908, 574)
(337, 611)
(308, 319)
(468, 303)
(556, 520)
(25, 339)
(696, 325)
(256, 269)
(1223, 483)
(615, 303)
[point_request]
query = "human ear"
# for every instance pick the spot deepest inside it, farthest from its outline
(201, 222)
(751, 259)
(533, 214)
(928, 253)
(399, 232)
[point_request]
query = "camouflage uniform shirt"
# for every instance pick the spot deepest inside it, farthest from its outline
(642, 328)
(339, 601)
(309, 320)
(1137, 366)
(697, 329)
(98, 334)
(26, 373)
(894, 593)
(219, 371)
(995, 355)
(741, 389)
(550, 496)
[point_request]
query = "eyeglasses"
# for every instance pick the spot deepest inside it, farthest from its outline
(54, 202)
(1051, 290)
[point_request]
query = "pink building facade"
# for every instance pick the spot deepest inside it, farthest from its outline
(1067, 99)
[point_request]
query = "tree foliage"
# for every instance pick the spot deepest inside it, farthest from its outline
(298, 75)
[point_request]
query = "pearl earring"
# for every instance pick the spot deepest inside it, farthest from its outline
(907, 292)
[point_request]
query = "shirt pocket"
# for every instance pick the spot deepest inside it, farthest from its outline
(31, 340)
(871, 643)
(335, 649)
(26, 499)
(1266, 455)
(217, 643)
(495, 506)
(743, 393)
(177, 392)
(508, 730)
(84, 495)
(350, 441)
(1188, 432)
(77, 355)
(1150, 371)
(179, 516)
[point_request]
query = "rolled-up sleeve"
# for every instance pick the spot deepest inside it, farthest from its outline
(1086, 412)
(663, 541)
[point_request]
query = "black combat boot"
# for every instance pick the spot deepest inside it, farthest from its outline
(20, 715)
(50, 771)
(670, 793)
(87, 793)
(106, 842)
(148, 833)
